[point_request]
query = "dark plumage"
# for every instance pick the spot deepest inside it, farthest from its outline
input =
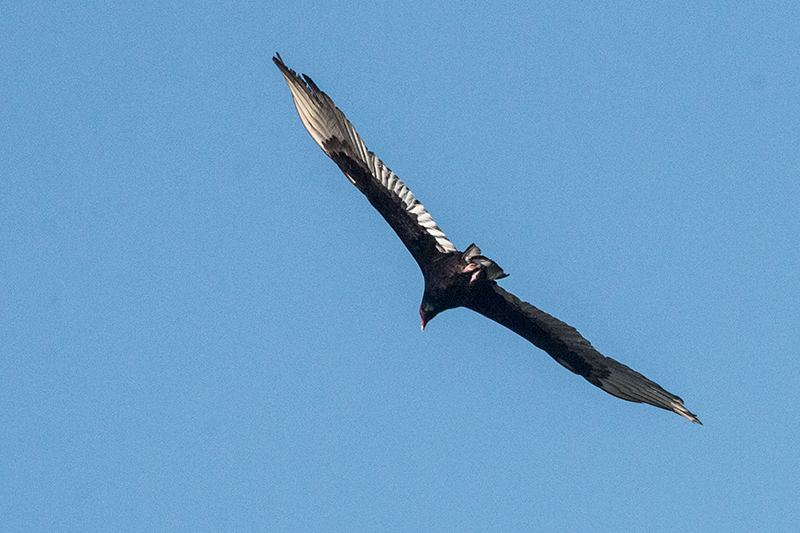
(456, 279)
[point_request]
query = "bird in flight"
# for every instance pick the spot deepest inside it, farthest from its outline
(459, 279)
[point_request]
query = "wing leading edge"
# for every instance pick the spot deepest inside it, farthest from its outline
(564, 344)
(337, 137)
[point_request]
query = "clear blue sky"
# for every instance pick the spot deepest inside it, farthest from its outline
(205, 327)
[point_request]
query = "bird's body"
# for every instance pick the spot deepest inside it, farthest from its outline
(460, 279)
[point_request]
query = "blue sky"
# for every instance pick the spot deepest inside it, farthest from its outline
(205, 327)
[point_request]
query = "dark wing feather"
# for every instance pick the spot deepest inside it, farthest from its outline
(568, 347)
(337, 137)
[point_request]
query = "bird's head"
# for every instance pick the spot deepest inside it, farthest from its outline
(434, 301)
(447, 288)
(427, 310)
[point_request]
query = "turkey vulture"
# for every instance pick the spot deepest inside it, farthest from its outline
(453, 278)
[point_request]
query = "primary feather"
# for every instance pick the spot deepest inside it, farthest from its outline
(337, 137)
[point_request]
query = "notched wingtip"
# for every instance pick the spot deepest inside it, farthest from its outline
(688, 415)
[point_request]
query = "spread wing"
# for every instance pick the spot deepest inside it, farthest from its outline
(337, 137)
(568, 347)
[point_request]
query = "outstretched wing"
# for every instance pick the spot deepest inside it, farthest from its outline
(331, 130)
(568, 347)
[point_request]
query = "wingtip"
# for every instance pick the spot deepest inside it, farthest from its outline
(695, 419)
(685, 413)
(691, 417)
